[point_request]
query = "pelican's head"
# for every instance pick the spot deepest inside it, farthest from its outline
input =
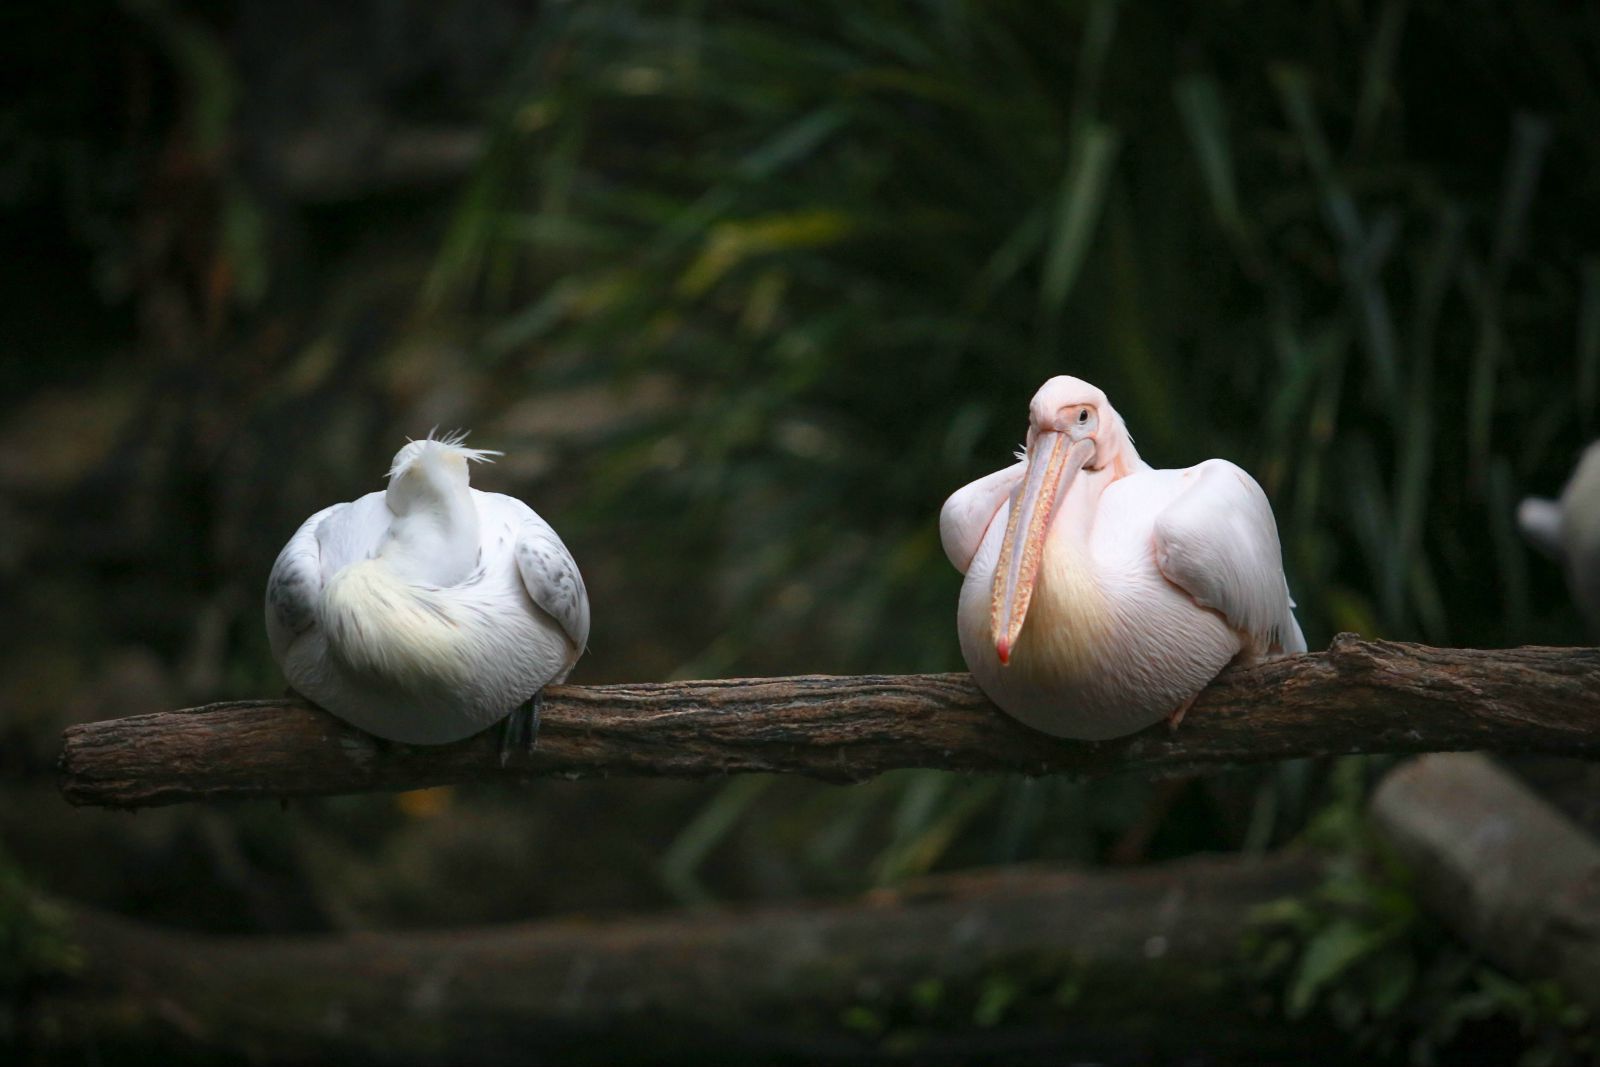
(429, 470)
(1079, 411)
(1071, 428)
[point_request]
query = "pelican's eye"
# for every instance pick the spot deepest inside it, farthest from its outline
(1081, 421)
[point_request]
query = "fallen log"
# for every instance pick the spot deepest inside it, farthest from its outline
(1514, 877)
(1012, 965)
(1358, 696)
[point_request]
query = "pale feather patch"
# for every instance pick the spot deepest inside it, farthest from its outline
(1068, 633)
(384, 628)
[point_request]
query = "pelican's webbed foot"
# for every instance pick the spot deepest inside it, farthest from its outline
(522, 723)
(1177, 714)
(530, 720)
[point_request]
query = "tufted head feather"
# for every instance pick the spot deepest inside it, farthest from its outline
(451, 443)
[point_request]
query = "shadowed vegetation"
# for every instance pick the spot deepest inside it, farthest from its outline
(1330, 247)
(849, 241)
(744, 290)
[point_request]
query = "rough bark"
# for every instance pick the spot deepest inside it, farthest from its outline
(1359, 696)
(1016, 965)
(1511, 874)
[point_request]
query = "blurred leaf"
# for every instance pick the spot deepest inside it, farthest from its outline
(1377, 82)
(1200, 104)
(704, 832)
(862, 1019)
(731, 243)
(203, 62)
(1078, 210)
(793, 143)
(35, 937)
(997, 994)
(929, 818)
(1394, 983)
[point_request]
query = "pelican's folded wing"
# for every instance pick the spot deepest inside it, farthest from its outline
(1218, 542)
(295, 584)
(969, 512)
(551, 577)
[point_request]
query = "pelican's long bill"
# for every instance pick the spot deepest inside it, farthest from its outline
(1053, 462)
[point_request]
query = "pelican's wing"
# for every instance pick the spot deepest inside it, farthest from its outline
(295, 584)
(334, 537)
(1218, 542)
(550, 575)
(966, 516)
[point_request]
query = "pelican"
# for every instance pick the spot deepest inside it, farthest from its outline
(1568, 530)
(428, 611)
(1101, 595)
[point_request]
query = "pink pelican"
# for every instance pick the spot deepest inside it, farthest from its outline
(1101, 595)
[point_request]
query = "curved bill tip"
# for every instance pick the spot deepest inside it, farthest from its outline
(1002, 649)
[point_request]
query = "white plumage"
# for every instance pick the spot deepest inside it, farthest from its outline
(429, 611)
(1101, 595)
(1568, 530)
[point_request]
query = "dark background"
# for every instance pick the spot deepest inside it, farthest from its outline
(744, 290)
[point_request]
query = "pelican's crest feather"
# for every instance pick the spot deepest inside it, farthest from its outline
(454, 441)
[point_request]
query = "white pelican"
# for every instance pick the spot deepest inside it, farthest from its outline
(1102, 595)
(1569, 531)
(428, 611)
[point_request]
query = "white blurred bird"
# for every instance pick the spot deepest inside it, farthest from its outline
(1102, 595)
(429, 611)
(1568, 530)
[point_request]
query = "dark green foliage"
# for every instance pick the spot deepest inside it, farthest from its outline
(1337, 243)
(1362, 952)
(857, 237)
(35, 945)
(824, 253)
(852, 239)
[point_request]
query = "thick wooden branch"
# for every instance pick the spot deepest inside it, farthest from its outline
(1359, 696)
(1512, 875)
(1129, 966)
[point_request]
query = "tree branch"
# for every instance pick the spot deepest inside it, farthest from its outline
(1128, 966)
(1359, 696)
(1511, 874)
